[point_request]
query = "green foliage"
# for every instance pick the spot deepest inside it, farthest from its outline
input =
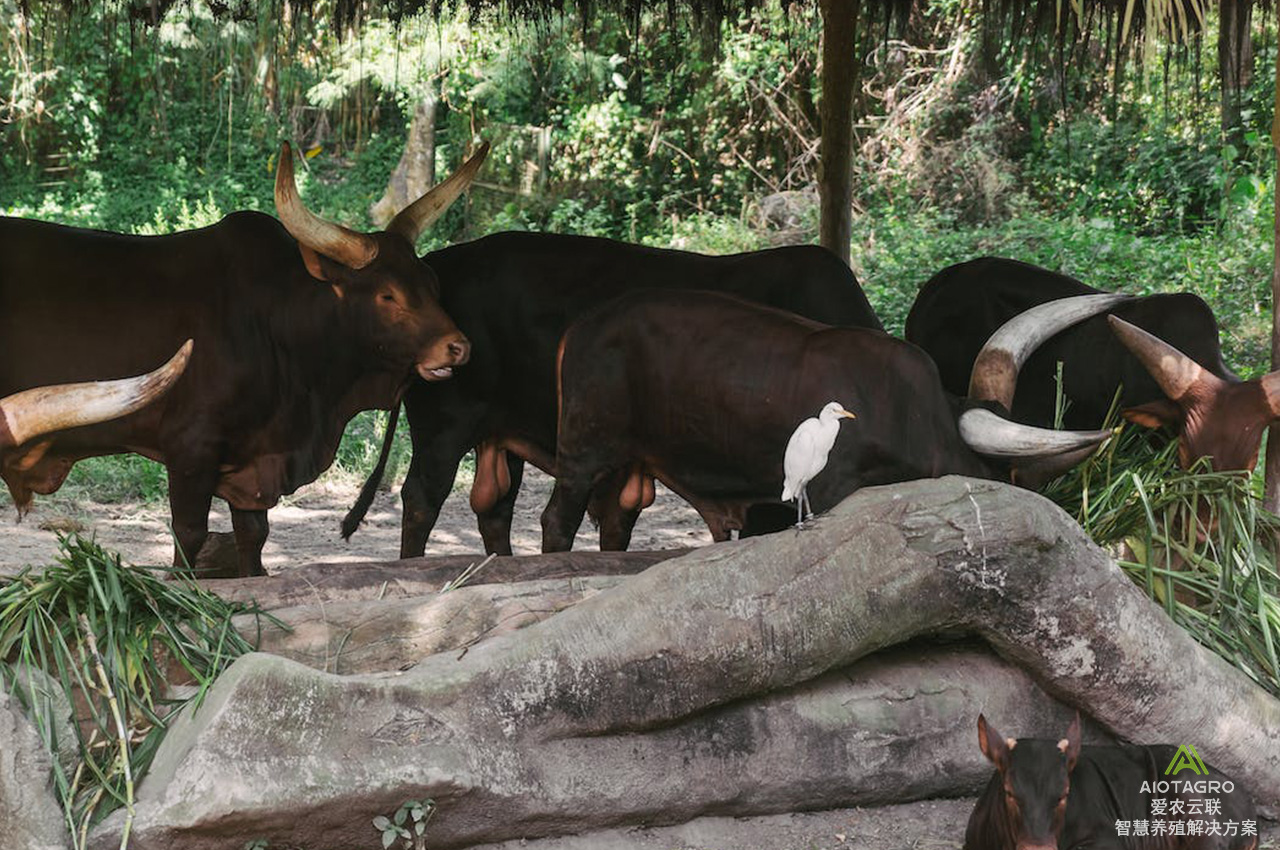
(408, 825)
(114, 638)
(119, 478)
(1199, 542)
(894, 255)
(1151, 177)
(362, 443)
(709, 234)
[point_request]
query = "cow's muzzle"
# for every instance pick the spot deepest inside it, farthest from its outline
(447, 353)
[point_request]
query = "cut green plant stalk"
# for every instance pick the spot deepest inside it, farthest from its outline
(112, 639)
(1198, 541)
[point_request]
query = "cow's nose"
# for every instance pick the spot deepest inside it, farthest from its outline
(460, 350)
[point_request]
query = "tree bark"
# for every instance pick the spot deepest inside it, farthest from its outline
(684, 643)
(322, 584)
(1271, 485)
(1235, 63)
(416, 172)
(386, 635)
(835, 172)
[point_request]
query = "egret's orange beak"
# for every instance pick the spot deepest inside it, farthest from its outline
(848, 415)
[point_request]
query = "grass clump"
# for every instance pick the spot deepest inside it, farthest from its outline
(1198, 541)
(111, 637)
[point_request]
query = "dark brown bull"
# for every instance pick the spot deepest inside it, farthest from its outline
(1059, 795)
(702, 391)
(1162, 350)
(298, 324)
(514, 295)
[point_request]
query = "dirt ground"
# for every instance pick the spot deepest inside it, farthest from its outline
(304, 527)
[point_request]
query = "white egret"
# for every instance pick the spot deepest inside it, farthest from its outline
(806, 455)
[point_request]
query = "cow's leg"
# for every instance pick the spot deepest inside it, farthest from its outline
(495, 523)
(190, 495)
(564, 512)
(615, 522)
(439, 443)
(251, 531)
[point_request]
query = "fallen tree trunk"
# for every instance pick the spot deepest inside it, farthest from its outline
(356, 636)
(679, 648)
(326, 583)
(897, 726)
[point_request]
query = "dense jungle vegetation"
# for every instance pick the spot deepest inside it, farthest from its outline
(973, 140)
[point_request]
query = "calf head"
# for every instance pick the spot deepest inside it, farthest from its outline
(1215, 418)
(1035, 779)
(389, 297)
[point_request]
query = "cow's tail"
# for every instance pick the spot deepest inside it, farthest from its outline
(355, 516)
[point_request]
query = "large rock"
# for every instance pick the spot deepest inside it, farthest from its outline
(30, 817)
(709, 684)
(936, 824)
(898, 726)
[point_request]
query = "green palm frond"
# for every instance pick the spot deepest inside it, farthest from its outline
(105, 641)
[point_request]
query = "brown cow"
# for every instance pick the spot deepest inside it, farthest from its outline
(1059, 795)
(298, 324)
(702, 391)
(515, 294)
(1160, 351)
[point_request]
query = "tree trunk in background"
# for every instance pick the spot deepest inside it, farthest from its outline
(1271, 493)
(835, 172)
(416, 172)
(1235, 62)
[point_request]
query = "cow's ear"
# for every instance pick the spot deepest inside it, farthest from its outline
(993, 746)
(1070, 745)
(312, 260)
(1155, 414)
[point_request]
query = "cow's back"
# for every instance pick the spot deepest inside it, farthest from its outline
(688, 380)
(706, 389)
(79, 304)
(962, 305)
(515, 294)
(579, 272)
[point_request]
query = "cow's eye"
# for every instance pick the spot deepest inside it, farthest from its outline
(387, 297)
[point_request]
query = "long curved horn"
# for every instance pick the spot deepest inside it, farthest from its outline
(354, 250)
(994, 436)
(995, 370)
(31, 413)
(412, 221)
(1176, 373)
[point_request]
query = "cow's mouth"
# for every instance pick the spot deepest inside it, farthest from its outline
(436, 373)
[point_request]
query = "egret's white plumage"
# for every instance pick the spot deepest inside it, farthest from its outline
(807, 452)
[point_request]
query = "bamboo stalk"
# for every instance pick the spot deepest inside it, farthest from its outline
(122, 731)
